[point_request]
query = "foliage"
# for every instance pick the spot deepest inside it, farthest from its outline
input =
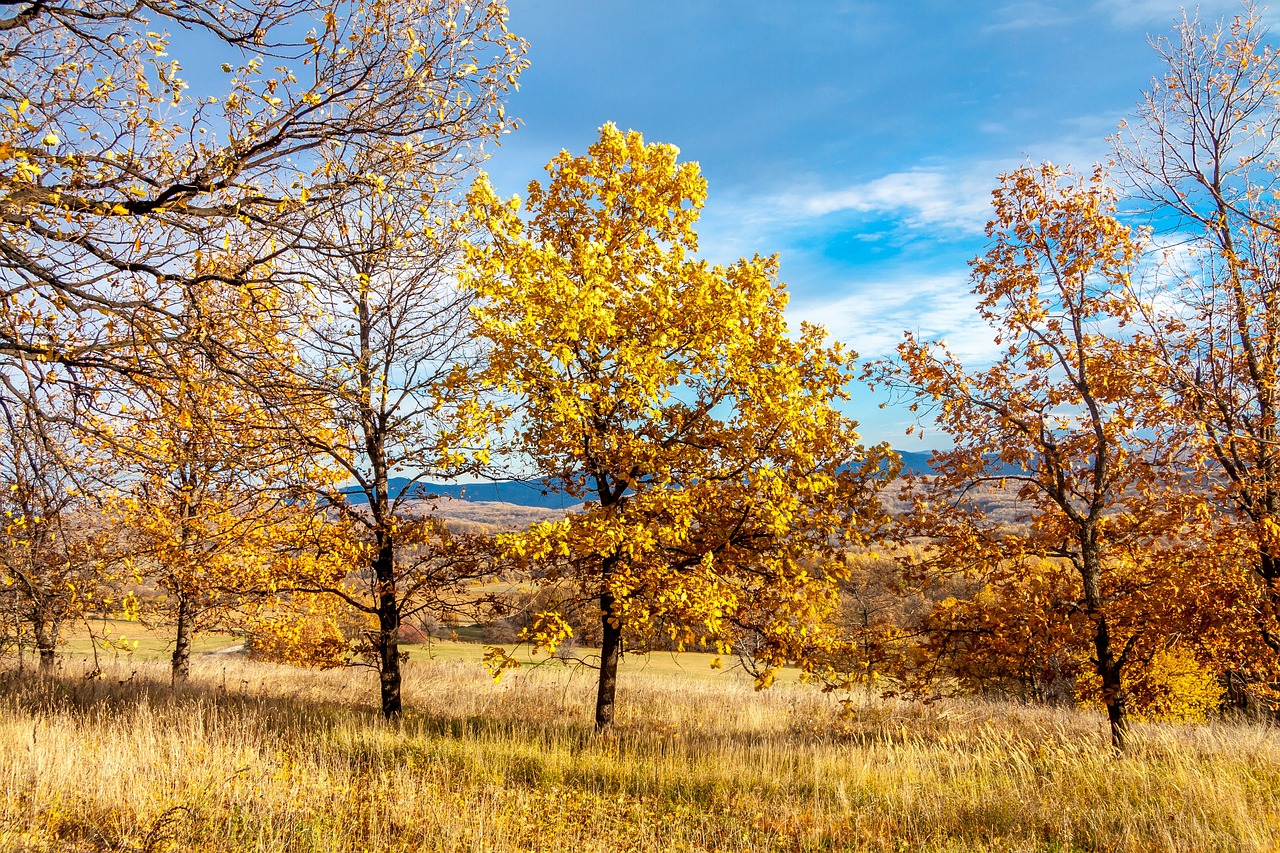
(1057, 416)
(1173, 687)
(1201, 156)
(115, 169)
(303, 630)
(210, 488)
(669, 394)
(57, 561)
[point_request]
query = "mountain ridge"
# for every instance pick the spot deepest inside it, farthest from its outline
(536, 493)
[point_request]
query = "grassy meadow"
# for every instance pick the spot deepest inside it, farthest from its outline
(269, 758)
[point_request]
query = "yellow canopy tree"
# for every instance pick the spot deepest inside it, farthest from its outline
(209, 485)
(123, 151)
(669, 395)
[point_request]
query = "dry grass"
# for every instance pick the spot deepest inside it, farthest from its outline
(254, 757)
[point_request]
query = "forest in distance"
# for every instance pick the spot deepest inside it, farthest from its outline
(493, 499)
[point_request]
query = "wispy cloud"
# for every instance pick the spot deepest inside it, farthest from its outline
(871, 316)
(917, 198)
(922, 197)
(1029, 15)
(954, 197)
(1159, 14)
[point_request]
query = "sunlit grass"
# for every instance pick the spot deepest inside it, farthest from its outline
(255, 757)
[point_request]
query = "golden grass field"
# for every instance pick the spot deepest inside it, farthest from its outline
(255, 757)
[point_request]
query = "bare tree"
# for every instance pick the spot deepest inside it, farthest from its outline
(384, 335)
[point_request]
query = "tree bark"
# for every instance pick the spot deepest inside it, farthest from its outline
(181, 669)
(388, 627)
(46, 634)
(1112, 689)
(1109, 665)
(610, 651)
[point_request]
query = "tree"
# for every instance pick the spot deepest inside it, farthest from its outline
(114, 171)
(1201, 155)
(381, 331)
(1056, 416)
(56, 559)
(669, 395)
(209, 487)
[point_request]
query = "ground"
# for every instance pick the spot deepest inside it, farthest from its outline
(259, 757)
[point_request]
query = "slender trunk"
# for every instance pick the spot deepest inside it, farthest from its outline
(182, 642)
(46, 636)
(388, 627)
(1112, 690)
(610, 651)
(1269, 570)
(1109, 665)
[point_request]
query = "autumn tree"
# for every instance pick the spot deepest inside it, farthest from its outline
(1200, 156)
(381, 329)
(56, 557)
(670, 396)
(209, 487)
(1055, 417)
(115, 169)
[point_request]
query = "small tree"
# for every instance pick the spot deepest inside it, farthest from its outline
(668, 394)
(381, 329)
(1057, 416)
(208, 485)
(55, 555)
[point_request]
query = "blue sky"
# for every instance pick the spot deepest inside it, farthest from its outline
(857, 139)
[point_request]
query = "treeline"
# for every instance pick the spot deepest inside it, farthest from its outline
(226, 310)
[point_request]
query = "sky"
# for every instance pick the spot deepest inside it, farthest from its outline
(858, 139)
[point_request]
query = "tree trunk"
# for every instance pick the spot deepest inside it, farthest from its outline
(46, 634)
(1109, 666)
(1112, 692)
(388, 627)
(182, 642)
(610, 651)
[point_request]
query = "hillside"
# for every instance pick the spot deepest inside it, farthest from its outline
(528, 493)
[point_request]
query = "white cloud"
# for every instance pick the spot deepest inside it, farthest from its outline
(922, 197)
(871, 316)
(918, 198)
(1029, 15)
(1160, 15)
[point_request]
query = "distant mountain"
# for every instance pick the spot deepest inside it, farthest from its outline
(518, 492)
(915, 461)
(533, 493)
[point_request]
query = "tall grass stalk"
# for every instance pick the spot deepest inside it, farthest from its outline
(258, 757)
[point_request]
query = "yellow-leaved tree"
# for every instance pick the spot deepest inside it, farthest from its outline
(209, 487)
(56, 557)
(670, 396)
(123, 150)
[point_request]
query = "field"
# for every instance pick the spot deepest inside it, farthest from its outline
(259, 757)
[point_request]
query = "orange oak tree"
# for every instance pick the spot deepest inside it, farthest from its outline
(1056, 416)
(670, 396)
